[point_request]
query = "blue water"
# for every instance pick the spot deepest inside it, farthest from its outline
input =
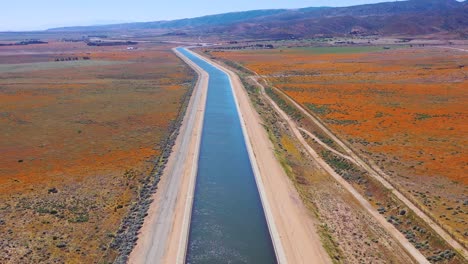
(228, 223)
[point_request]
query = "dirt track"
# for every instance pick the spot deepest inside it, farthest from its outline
(159, 239)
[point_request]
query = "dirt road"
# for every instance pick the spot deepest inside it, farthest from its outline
(160, 237)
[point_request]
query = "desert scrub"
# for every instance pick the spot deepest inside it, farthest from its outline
(318, 109)
(411, 226)
(326, 140)
(251, 88)
(287, 107)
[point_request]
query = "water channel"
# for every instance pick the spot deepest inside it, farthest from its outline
(228, 223)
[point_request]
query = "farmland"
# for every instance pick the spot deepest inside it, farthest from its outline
(403, 110)
(81, 130)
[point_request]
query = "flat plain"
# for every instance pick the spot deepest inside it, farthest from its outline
(81, 128)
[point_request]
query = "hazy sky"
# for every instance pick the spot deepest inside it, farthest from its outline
(41, 14)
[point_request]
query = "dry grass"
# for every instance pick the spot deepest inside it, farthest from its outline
(77, 142)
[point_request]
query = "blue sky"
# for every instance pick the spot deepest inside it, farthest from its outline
(42, 14)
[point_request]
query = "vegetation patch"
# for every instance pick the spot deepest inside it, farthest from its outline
(44, 66)
(342, 122)
(286, 106)
(318, 109)
(419, 116)
(340, 50)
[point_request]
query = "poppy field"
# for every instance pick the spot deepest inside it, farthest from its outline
(81, 129)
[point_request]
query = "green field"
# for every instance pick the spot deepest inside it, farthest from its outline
(37, 66)
(341, 50)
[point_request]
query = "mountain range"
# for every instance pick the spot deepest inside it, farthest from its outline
(412, 17)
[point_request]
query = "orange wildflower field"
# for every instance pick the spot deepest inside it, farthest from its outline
(404, 109)
(80, 130)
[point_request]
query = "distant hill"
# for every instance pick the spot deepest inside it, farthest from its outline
(204, 21)
(413, 17)
(387, 8)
